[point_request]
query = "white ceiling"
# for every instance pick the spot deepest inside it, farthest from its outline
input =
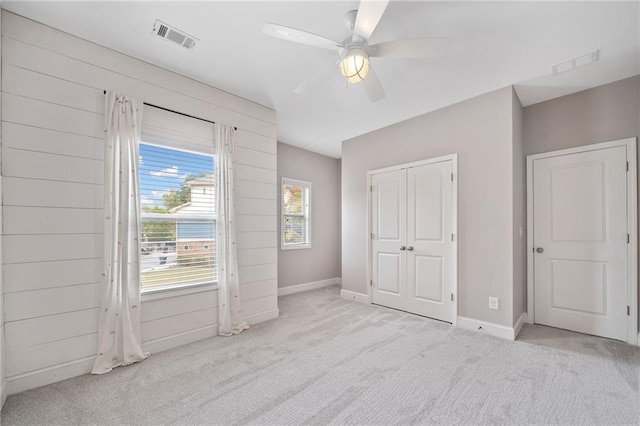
(495, 44)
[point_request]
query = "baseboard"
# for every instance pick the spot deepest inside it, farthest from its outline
(170, 342)
(521, 321)
(354, 297)
(3, 393)
(339, 281)
(307, 286)
(528, 318)
(497, 330)
(262, 316)
(45, 376)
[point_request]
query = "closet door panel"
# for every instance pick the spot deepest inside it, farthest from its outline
(429, 240)
(388, 219)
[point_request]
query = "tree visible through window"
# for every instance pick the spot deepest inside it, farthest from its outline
(177, 209)
(296, 197)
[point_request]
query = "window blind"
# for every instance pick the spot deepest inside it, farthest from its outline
(177, 203)
(177, 131)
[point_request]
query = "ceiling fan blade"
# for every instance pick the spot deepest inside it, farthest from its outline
(372, 86)
(299, 36)
(369, 14)
(416, 48)
(322, 74)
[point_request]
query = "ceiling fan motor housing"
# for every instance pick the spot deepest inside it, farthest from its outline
(350, 19)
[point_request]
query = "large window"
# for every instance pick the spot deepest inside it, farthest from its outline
(178, 217)
(296, 214)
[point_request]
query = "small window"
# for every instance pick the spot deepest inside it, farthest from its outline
(296, 214)
(177, 217)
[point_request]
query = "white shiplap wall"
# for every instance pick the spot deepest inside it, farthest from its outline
(52, 176)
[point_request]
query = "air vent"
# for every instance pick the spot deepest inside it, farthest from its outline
(174, 35)
(162, 31)
(578, 62)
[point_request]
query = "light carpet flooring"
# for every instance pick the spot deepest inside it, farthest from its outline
(330, 361)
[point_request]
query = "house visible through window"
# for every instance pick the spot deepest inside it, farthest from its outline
(178, 217)
(296, 217)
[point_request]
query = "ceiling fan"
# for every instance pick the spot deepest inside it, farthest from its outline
(355, 51)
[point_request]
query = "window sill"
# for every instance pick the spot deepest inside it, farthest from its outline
(296, 247)
(168, 292)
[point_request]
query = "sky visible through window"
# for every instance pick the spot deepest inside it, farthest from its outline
(162, 169)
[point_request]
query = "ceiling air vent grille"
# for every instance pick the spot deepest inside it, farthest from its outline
(162, 31)
(578, 62)
(189, 43)
(173, 34)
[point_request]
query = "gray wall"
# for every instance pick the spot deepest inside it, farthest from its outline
(322, 260)
(480, 131)
(2, 346)
(519, 212)
(601, 114)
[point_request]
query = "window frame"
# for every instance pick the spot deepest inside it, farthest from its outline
(306, 214)
(186, 288)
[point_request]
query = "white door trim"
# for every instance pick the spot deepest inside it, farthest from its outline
(632, 226)
(454, 186)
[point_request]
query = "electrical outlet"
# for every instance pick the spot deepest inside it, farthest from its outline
(493, 303)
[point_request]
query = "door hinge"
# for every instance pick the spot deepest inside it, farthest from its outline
(452, 297)
(628, 310)
(627, 166)
(370, 283)
(370, 188)
(372, 236)
(451, 177)
(452, 237)
(628, 238)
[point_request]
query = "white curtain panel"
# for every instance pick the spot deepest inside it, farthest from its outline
(119, 340)
(229, 308)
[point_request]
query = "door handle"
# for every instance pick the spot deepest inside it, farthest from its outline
(540, 250)
(402, 247)
(410, 248)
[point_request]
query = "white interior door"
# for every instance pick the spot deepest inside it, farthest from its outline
(388, 218)
(430, 259)
(412, 253)
(580, 242)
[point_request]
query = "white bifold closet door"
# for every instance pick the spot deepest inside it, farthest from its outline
(412, 248)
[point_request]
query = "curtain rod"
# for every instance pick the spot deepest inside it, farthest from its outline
(177, 112)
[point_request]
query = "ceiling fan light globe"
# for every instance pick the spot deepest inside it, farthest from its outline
(355, 67)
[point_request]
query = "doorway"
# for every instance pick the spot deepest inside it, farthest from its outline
(413, 244)
(582, 240)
